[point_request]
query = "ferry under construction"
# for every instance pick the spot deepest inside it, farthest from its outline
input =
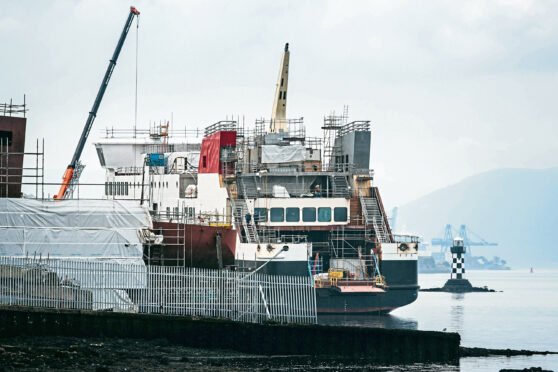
(269, 199)
(264, 200)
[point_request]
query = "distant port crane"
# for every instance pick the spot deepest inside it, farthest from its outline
(447, 241)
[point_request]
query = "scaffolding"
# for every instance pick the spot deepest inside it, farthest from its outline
(10, 109)
(221, 126)
(332, 124)
(154, 131)
(30, 176)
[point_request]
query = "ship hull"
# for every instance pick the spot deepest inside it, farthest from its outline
(353, 298)
(195, 245)
(332, 301)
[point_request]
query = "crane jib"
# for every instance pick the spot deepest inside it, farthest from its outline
(69, 176)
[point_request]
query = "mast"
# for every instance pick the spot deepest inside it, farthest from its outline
(279, 111)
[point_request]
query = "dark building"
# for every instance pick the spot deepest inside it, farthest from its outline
(12, 146)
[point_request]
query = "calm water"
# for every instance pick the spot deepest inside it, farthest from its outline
(523, 316)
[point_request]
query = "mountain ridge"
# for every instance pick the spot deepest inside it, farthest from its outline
(515, 207)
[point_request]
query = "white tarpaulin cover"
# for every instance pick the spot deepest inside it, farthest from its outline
(76, 229)
(280, 192)
(79, 230)
(282, 154)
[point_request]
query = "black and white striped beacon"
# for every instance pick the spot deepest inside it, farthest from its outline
(458, 259)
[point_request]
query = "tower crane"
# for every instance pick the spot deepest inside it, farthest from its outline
(73, 172)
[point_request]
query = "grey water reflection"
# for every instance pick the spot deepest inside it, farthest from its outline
(373, 321)
(457, 312)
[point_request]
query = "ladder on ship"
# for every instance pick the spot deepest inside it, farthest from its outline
(340, 187)
(240, 211)
(248, 187)
(374, 217)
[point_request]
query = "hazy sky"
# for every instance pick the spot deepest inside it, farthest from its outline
(452, 88)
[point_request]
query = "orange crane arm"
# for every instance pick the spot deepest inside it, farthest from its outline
(67, 180)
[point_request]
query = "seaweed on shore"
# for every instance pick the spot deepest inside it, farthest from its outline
(483, 352)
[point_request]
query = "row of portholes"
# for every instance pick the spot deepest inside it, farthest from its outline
(159, 184)
(116, 188)
(122, 188)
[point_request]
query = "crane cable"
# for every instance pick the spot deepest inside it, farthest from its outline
(136, 104)
(136, 92)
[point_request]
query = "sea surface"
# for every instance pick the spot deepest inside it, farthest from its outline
(522, 315)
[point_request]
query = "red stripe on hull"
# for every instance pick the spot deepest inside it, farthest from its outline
(195, 244)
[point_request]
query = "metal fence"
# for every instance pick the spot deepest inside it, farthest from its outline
(124, 287)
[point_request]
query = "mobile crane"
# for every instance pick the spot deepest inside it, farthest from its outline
(73, 172)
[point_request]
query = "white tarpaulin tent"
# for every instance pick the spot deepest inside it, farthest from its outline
(282, 154)
(77, 230)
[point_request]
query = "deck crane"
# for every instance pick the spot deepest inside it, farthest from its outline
(73, 172)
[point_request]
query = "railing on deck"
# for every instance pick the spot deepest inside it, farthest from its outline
(295, 128)
(223, 125)
(153, 131)
(354, 126)
(110, 286)
(402, 238)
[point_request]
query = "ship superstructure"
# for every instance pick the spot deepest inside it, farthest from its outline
(274, 200)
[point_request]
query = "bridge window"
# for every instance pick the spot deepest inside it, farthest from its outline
(293, 214)
(277, 214)
(324, 214)
(260, 214)
(340, 214)
(309, 214)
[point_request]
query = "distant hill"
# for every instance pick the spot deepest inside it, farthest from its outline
(517, 208)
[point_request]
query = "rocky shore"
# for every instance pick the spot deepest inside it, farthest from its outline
(24, 353)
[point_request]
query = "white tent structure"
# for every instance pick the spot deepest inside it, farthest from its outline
(108, 231)
(72, 229)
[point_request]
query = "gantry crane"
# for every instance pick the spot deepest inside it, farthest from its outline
(463, 233)
(73, 172)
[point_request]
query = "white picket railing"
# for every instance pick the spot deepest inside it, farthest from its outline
(123, 287)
